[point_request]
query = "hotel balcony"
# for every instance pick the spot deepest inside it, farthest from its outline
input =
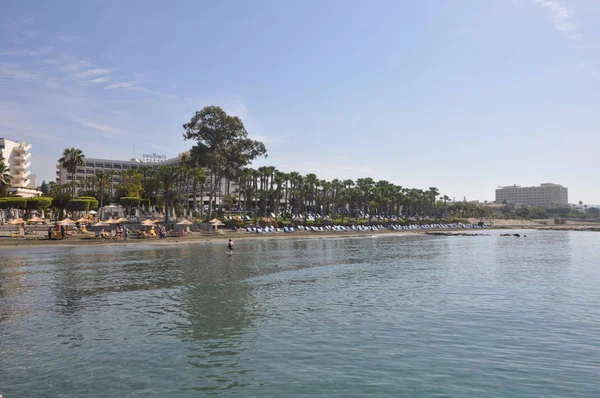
(19, 158)
(22, 148)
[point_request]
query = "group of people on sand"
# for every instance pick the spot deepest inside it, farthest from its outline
(64, 234)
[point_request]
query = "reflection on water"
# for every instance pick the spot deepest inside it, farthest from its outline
(385, 316)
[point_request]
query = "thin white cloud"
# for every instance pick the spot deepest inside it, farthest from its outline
(67, 62)
(22, 29)
(14, 72)
(562, 18)
(99, 80)
(75, 65)
(94, 72)
(122, 85)
(133, 86)
(30, 53)
(101, 128)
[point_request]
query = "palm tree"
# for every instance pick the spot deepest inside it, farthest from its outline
(445, 198)
(310, 188)
(103, 180)
(166, 177)
(70, 160)
(5, 177)
(295, 183)
(200, 178)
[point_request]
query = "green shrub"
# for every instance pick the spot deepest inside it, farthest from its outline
(93, 202)
(78, 204)
(129, 201)
(39, 203)
(60, 202)
(16, 203)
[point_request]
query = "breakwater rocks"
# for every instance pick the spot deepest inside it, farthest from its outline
(453, 234)
(573, 228)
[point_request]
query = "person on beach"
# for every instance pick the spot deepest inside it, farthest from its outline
(49, 232)
(62, 231)
(230, 246)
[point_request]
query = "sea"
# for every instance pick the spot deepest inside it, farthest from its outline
(381, 316)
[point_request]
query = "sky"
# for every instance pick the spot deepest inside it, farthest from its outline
(462, 95)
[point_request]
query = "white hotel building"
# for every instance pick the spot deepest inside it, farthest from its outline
(17, 158)
(546, 195)
(93, 166)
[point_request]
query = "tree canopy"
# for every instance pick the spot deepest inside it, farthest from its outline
(222, 144)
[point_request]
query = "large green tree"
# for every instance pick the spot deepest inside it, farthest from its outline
(70, 160)
(223, 144)
(131, 184)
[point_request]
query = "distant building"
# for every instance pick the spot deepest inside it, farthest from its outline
(546, 195)
(86, 173)
(93, 166)
(17, 158)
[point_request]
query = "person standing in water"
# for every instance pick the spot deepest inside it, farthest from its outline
(230, 246)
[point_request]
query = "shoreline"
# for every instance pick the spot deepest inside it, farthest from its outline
(200, 238)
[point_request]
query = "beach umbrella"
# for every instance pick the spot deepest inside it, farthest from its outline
(113, 221)
(101, 224)
(36, 220)
(66, 221)
(148, 222)
(17, 221)
(185, 222)
(92, 212)
(83, 220)
(122, 220)
(216, 221)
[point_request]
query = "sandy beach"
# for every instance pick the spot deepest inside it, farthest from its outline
(192, 238)
(204, 238)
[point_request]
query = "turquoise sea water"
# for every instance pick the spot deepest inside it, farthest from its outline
(390, 316)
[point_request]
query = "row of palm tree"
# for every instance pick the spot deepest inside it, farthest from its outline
(266, 190)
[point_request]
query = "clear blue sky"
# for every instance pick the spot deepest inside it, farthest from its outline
(464, 95)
